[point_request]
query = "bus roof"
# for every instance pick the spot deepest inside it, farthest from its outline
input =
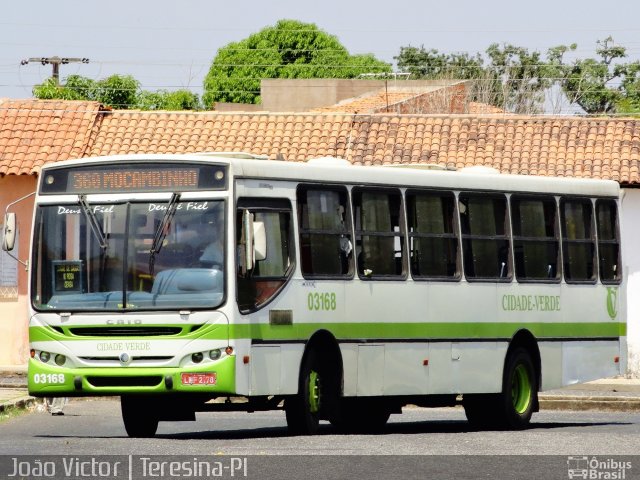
(340, 171)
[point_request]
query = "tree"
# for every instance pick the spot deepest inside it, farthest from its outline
(165, 100)
(290, 49)
(601, 85)
(511, 77)
(118, 91)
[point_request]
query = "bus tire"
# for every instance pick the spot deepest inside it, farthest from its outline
(358, 415)
(481, 409)
(519, 390)
(303, 411)
(139, 417)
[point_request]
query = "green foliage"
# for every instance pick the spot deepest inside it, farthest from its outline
(630, 103)
(515, 79)
(603, 85)
(290, 49)
(165, 100)
(511, 78)
(117, 91)
(423, 63)
(49, 90)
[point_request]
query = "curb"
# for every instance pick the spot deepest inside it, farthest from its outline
(13, 385)
(547, 402)
(20, 403)
(611, 404)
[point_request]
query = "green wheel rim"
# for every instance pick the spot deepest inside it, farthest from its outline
(314, 392)
(521, 389)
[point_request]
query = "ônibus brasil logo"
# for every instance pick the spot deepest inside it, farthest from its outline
(612, 302)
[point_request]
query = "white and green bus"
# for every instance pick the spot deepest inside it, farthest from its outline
(207, 282)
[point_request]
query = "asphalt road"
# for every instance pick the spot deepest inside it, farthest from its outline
(94, 426)
(420, 443)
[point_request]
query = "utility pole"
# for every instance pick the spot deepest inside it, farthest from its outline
(55, 63)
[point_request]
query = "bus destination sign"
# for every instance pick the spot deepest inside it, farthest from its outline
(134, 178)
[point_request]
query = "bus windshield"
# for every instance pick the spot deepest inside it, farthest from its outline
(129, 256)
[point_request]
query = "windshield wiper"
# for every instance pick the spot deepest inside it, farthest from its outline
(93, 222)
(163, 229)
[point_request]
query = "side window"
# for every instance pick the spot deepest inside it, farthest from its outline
(578, 244)
(485, 240)
(325, 232)
(608, 241)
(379, 233)
(433, 241)
(258, 285)
(536, 243)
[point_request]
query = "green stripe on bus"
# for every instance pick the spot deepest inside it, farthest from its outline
(354, 331)
(348, 331)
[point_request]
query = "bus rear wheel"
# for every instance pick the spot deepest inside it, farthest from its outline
(139, 416)
(519, 389)
(513, 407)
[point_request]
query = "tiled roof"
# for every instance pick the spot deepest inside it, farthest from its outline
(370, 103)
(484, 108)
(437, 99)
(295, 136)
(554, 146)
(33, 132)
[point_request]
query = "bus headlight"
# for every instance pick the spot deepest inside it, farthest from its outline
(197, 357)
(60, 360)
(215, 354)
(45, 356)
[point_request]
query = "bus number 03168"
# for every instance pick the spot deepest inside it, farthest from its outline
(321, 301)
(48, 378)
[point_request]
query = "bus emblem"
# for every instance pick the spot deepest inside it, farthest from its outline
(612, 301)
(124, 358)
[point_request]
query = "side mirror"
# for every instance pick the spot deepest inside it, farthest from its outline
(259, 241)
(253, 242)
(247, 260)
(9, 237)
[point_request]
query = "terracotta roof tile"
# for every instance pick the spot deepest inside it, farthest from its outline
(33, 132)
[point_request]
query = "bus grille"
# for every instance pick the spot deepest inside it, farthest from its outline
(124, 331)
(133, 381)
(133, 359)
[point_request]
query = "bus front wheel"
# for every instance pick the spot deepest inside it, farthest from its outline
(303, 411)
(139, 417)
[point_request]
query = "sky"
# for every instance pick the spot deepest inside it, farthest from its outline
(171, 44)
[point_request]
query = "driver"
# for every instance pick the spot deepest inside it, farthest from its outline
(213, 254)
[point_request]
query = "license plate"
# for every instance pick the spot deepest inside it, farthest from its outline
(199, 378)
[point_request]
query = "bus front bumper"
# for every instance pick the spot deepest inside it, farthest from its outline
(45, 380)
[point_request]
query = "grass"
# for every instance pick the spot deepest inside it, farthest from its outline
(11, 412)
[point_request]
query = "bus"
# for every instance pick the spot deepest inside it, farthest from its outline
(225, 281)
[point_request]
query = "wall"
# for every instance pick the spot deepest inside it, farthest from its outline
(298, 95)
(237, 107)
(451, 99)
(14, 345)
(630, 220)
